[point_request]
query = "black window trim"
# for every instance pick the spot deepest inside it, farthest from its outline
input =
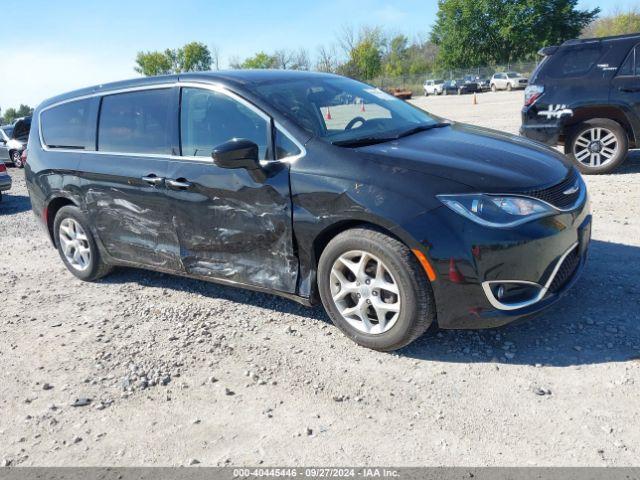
(213, 86)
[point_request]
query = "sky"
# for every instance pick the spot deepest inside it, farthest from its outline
(62, 45)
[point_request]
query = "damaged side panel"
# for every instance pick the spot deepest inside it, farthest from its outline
(130, 215)
(233, 226)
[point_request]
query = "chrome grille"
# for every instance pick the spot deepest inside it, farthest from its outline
(555, 195)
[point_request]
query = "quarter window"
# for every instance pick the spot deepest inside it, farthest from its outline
(209, 119)
(71, 125)
(631, 65)
(137, 122)
(285, 147)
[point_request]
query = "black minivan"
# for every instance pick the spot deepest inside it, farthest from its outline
(314, 187)
(585, 95)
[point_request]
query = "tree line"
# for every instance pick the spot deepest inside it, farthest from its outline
(466, 34)
(11, 114)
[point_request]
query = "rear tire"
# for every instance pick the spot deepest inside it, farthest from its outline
(493, 88)
(76, 245)
(391, 320)
(597, 146)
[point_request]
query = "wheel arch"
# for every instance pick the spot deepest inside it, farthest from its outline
(322, 239)
(52, 208)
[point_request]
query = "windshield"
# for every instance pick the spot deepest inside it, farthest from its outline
(513, 74)
(8, 131)
(340, 110)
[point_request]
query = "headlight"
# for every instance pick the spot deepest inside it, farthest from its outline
(497, 211)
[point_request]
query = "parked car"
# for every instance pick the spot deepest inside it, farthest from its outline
(508, 81)
(433, 87)
(13, 141)
(390, 217)
(458, 87)
(484, 84)
(585, 95)
(5, 180)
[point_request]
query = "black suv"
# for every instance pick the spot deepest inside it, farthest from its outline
(585, 95)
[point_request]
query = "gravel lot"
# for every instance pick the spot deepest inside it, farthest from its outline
(182, 372)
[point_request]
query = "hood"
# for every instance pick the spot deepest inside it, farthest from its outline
(486, 160)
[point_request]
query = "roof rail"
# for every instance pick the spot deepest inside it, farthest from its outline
(578, 41)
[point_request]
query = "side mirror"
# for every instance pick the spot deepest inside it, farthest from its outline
(237, 153)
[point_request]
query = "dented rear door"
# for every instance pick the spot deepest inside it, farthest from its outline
(123, 181)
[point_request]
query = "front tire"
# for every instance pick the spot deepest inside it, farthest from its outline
(16, 159)
(597, 146)
(374, 289)
(493, 88)
(509, 87)
(76, 245)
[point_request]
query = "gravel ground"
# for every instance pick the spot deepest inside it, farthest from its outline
(149, 369)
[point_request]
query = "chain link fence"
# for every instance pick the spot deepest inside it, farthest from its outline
(415, 82)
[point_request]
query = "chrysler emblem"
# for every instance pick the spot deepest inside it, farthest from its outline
(572, 189)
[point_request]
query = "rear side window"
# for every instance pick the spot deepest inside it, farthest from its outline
(71, 125)
(573, 62)
(136, 122)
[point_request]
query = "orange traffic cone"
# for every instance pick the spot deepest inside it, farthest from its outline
(328, 117)
(475, 99)
(454, 275)
(362, 108)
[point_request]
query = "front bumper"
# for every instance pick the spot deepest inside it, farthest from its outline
(547, 255)
(5, 183)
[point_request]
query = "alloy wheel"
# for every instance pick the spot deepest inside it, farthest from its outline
(595, 147)
(16, 158)
(365, 292)
(75, 244)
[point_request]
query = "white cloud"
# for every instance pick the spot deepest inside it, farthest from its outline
(30, 76)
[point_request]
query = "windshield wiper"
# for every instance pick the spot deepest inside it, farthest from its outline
(422, 128)
(362, 141)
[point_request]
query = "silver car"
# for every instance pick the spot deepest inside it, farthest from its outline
(433, 87)
(13, 141)
(508, 81)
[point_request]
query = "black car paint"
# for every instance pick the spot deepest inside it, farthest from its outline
(600, 92)
(459, 86)
(5, 181)
(267, 234)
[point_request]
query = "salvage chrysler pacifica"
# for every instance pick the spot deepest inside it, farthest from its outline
(313, 187)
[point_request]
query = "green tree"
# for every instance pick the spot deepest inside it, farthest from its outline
(396, 59)
(618, 23)
(260, 60)
(24, 110)
(151, 64)
(481, 32)
(365, 56)
(10, 114)
(192, 57)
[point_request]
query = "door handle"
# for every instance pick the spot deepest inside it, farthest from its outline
(152, 179)
(630, 89)
(179, 184)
